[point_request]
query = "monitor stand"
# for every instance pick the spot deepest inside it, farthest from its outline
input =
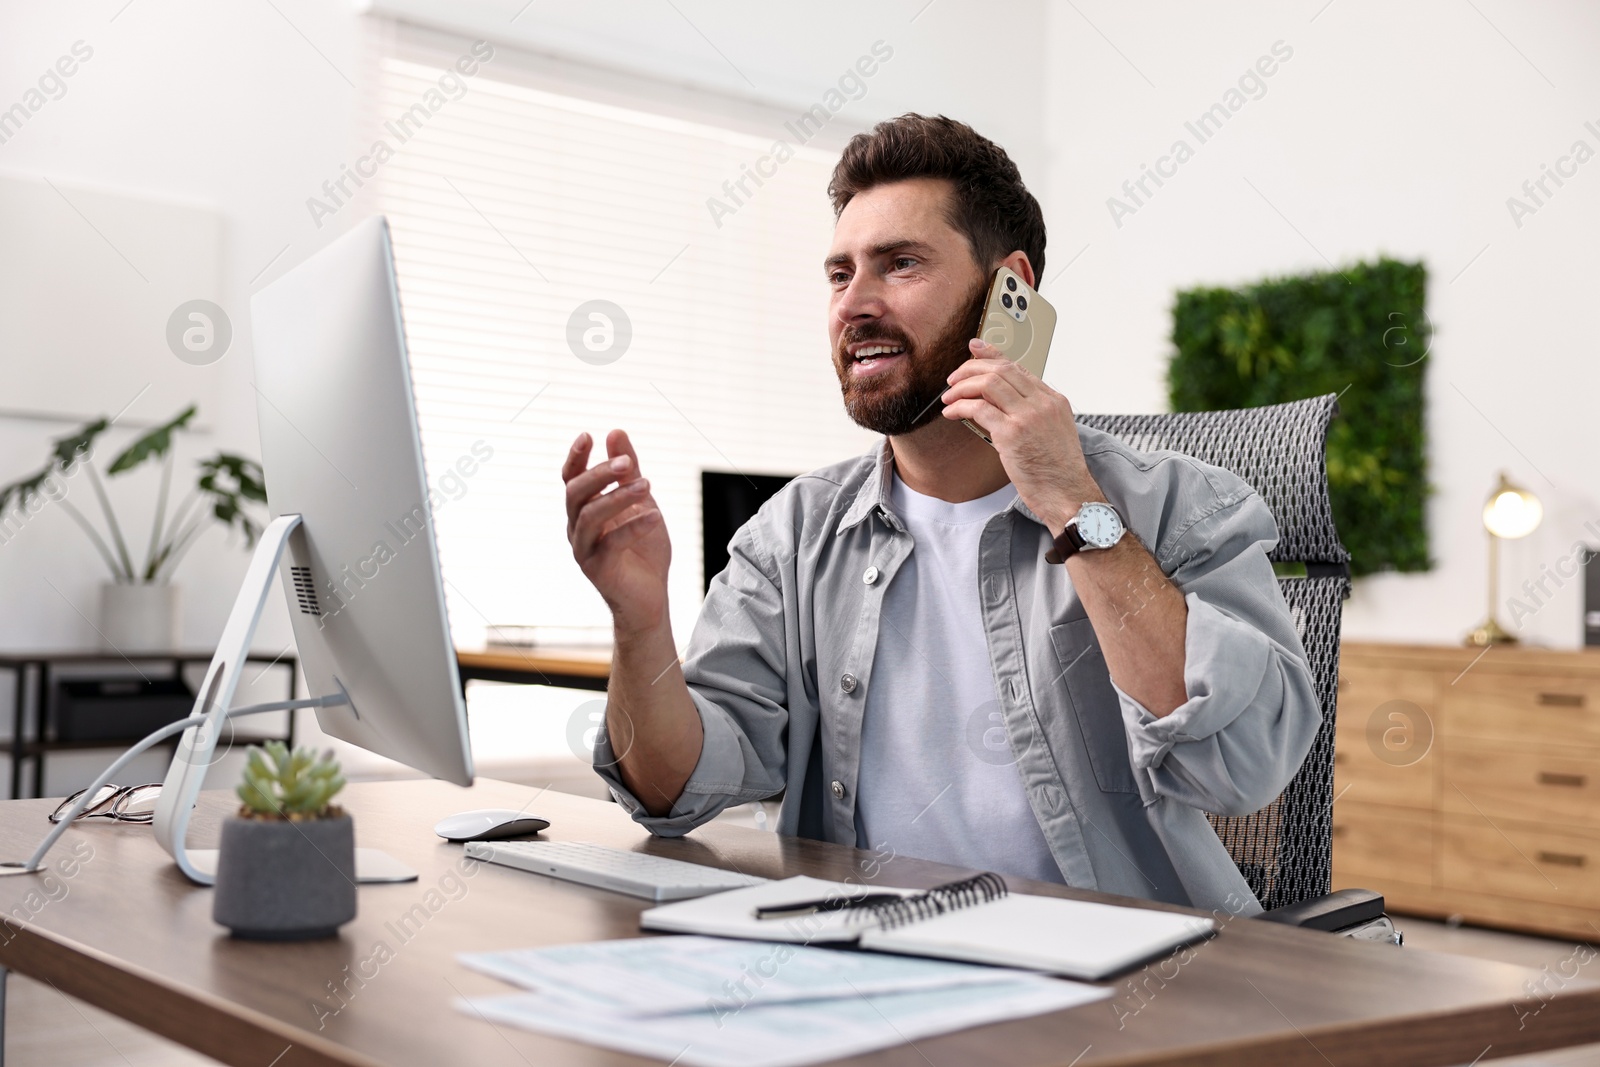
(372, 865)
(197, 748)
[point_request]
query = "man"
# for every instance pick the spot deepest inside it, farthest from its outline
(889, 647)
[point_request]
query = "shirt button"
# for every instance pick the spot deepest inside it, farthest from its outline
(838, 790)
(871, 575)
(848, 683)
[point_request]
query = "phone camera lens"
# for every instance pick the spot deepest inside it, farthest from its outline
(1022, 302)
(1005, 299)
(1011, 283)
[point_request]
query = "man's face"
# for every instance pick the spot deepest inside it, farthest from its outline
(905, 298)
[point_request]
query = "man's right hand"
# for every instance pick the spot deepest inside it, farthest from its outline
(620, 541)
(618, 538)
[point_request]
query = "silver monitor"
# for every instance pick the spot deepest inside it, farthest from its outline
(353, 537)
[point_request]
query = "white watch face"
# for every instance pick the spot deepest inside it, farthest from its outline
(1099, 525)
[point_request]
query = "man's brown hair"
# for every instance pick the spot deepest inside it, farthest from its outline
(990, 206)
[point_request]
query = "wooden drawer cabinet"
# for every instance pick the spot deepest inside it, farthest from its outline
(1524, 707)
(1470, 785)
(1493, 782)
(1360, 776)
(1519, 861)
(1373, 842)
(1383, 749)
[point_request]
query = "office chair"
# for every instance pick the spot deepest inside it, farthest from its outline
(1285, 850)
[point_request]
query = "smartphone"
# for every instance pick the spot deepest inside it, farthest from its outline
(1017, 321)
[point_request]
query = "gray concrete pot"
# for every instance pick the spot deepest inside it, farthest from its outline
(286, 881)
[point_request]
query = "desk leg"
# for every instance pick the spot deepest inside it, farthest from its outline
(3, 975)
(41, 711)
(16, 734)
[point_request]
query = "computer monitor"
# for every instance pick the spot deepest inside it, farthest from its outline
(353, 537)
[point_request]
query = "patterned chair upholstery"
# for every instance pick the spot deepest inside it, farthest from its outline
(1285, 850)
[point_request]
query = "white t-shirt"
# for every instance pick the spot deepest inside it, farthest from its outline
(937, 779)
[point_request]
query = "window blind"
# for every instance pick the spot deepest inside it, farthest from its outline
(516, 203)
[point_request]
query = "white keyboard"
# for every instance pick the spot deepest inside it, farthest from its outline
(635, 873)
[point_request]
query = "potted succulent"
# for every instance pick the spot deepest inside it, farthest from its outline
(287, 870)
(139, 605)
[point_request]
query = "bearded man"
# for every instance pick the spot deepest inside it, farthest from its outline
(1047, 656)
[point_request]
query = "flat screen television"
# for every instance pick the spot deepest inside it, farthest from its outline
(728, 500)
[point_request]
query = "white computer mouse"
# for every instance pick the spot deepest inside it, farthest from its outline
(489, 824)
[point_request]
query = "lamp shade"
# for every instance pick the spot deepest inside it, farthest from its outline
(1511, 511)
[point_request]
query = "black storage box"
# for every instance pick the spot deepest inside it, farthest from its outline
(118, 709)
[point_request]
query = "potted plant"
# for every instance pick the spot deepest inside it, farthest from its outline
(139, 608)
(287, 869)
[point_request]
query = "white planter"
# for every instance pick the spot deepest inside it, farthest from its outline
(140, 618)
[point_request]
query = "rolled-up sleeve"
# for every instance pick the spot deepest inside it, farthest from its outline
(736, 670)
(1252, 712)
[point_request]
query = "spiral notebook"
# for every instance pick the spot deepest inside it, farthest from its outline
(976, 920)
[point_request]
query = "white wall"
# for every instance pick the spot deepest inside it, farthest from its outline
(1393, 129)
(1398, 130)
(217, 106)
(247, 111)
(1390, 130)
(790, 54)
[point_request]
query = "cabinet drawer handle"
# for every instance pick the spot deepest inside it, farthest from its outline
(1561, 700)
(1561, 859)
(1552, 778)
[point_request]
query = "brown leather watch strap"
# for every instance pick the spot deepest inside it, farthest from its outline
(1066, 546)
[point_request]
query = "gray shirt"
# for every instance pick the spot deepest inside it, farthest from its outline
(781, 658)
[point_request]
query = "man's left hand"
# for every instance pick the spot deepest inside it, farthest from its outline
(1032, 428)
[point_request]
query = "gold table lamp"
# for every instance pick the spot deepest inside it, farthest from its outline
(1510, 512)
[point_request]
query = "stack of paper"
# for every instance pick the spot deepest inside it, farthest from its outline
(708, 1002)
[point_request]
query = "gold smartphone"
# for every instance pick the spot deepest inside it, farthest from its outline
(1017, 321)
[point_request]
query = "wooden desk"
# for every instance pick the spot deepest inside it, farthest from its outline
(132, 936)
(573, 668)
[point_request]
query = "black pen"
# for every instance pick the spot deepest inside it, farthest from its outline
(807, 907)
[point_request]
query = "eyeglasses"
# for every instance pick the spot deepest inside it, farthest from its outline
(122, 803)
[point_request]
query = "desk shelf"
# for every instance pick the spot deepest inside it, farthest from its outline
(35, 675)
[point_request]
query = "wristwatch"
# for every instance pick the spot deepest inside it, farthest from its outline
(1096, 525)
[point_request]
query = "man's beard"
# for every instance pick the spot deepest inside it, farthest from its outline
(884, 406)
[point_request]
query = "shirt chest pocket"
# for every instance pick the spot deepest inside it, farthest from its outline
(1085, 689)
